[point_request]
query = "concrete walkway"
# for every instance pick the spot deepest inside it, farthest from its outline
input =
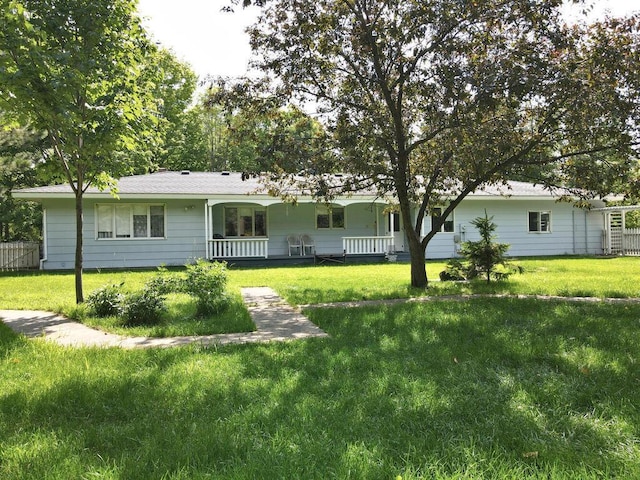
(275, 321)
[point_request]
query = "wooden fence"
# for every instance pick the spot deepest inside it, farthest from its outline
(19, 255)
(631, 241)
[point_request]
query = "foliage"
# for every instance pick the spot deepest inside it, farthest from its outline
(144, 307)
(254, 131)
(74, 71)
(172, 84)
(165, 282)
(20, 153)
(485, 254)
(107, 300)
(454, 270)
(207, 282)
(483, 258)
(429, 100)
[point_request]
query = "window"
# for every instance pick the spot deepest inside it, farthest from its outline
(540, 221)
(447, 226)
(329, 217)
(130, 221)
(245, 222)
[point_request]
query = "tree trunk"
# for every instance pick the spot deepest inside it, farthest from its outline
(78, 262)
(418, 268)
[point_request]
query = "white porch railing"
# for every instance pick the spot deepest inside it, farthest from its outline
(237, 247)
(366, 245)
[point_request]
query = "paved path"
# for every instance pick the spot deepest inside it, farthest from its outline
(275, 321)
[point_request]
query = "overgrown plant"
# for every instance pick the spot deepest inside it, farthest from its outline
(144, 307)
(207, 282)
(165, 282)
(106, 301)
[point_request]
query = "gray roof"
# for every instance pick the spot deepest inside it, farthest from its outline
(208, 184)
(167, 183)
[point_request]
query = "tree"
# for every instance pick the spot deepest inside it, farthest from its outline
(256, 131)
(72, 68)
(485, 255)
(429, 100)
(20, 153)
(172, 84)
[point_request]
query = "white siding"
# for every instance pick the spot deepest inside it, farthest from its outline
(184, 238)
(573, 231)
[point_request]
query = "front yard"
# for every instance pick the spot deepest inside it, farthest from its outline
(484, 388)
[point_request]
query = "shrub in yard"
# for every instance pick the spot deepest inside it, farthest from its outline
(143, 308)
(106, 300)
(165, 282)
(454, 271)
(207, 282)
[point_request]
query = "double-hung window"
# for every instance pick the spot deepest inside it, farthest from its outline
(134, 220)
(540, 221)
(245, 222)
(447, 225)
(329, 217)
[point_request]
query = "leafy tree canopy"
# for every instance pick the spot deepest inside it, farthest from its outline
(20, 166)
(430, 99)
(73, 69)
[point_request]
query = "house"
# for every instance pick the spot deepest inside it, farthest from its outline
(172, 218)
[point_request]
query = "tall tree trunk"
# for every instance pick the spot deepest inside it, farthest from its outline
(78, 262)
(418, 268)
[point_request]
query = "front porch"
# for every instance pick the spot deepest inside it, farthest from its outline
(258, 230)
(234, 249)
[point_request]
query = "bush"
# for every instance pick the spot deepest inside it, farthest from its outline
(106, 301)
(207, 282)
(166, 282)
(454, 271)
(143, 308)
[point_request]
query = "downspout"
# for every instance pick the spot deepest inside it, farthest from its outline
(44, 238)
(586, 234)
(206, 230)
(573, 230)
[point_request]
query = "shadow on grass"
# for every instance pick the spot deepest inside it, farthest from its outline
(479, 389)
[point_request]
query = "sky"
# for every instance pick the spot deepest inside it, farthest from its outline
(214, 42)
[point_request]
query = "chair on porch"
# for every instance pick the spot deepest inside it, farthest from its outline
(293, 241)
(307, 242)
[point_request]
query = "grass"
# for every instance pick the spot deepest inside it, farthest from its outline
(487, 388)
(483, 388)
(55, 292)
(564, 276)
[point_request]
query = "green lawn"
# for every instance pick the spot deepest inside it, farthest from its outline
(599, 277)
(485, 388)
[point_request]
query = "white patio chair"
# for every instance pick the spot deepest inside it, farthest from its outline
(307, 242)
(293, 241)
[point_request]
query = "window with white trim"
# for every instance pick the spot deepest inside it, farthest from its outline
(329, 217)
(245, 222)
(540, 221)
(447, 225)
(135, 220)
